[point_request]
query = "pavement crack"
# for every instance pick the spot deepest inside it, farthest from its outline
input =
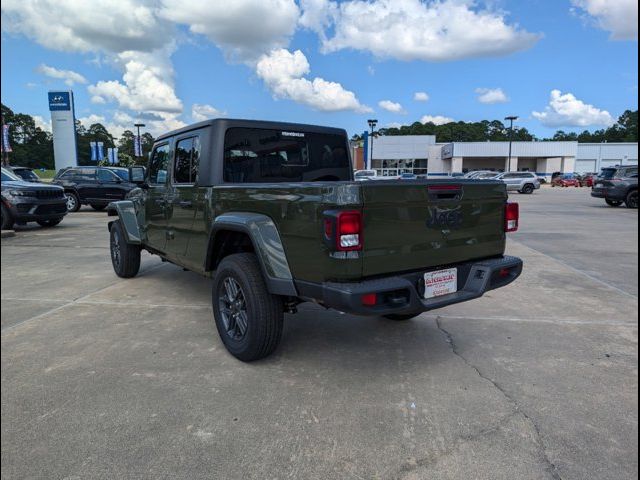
(551, 467)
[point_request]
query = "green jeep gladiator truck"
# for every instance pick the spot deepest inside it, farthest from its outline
(272, 213)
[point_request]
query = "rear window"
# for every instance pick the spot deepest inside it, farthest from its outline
(607, 173)
(123, 174)
(627, 172)
(255, 155)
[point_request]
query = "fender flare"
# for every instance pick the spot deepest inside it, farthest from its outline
(125, 210)
(267, 244)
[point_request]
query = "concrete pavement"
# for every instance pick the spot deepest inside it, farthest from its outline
(111, 378)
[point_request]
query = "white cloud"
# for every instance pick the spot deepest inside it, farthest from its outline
(42, 123)
(371, 70)
(620, 17)
(91, 119)
(491, 95)
(200, 112)
(147, 83)
(421, 96)
(283, 72)
(390, 106)
(567, 111)
(436, 119)
(69, 76)
(415, 30)
(244, 29)
(81, 26)
(394, 125)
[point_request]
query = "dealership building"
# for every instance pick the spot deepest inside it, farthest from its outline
(422, 154)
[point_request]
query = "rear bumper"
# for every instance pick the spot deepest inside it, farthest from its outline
(611, 193)
(405, 293)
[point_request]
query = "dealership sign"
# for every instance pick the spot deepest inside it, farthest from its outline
(59, 101)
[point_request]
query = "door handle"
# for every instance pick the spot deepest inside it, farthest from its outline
(185, 204)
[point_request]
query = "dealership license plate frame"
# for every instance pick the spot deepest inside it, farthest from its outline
(440, 282)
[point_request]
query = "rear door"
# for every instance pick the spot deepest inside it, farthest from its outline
(184, 198)
(419, 225)
(86, 183)
(512, 180)
(156, 203)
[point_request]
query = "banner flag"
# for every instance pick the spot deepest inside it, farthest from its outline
(100, 151)
(94, 151)
(115, 155)
(137, 146)
(6, 146)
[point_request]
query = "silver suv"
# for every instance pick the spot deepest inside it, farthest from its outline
(523, 182)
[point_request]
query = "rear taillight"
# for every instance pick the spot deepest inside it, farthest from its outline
(511, 217)
(343, 230)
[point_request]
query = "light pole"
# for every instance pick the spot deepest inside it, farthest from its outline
(138, 139)
(372, 124)
(511, 119)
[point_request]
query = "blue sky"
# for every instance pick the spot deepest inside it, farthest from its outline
(568, 65)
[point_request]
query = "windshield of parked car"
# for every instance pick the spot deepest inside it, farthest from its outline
(256, 155)
(27, 174)
(8, 176)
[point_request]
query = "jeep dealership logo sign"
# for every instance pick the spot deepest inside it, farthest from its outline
(59, 101)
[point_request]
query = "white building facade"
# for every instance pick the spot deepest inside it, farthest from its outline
(421, 154)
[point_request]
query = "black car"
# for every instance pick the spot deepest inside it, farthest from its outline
(95, 186)
(24, 202)
(617, 185)
(25, 173)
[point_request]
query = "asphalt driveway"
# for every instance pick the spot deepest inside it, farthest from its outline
(111, 378)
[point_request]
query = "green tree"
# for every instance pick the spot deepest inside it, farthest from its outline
(32, 146)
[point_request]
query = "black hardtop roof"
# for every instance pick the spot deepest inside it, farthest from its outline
(225, 123)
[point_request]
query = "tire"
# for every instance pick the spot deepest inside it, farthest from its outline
(73, 202)
(401, 317)
(49, 223)
(528, 189)
(7, 220)
(240, 293)
(613, 203)
(98, 207)
(632, 199)
(125, 257)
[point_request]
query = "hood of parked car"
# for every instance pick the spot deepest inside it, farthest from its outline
(24, 185)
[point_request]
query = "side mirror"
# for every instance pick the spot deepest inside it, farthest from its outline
(136, 175)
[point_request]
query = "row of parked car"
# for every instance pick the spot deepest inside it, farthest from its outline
(26, 199)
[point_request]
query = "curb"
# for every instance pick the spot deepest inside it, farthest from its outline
(8, 233)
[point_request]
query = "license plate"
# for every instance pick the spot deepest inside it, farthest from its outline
(441, 282)
(598, 185)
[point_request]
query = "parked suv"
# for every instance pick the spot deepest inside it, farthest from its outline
(95, 186)
(617, 185)
(523, 182)
(24, 202)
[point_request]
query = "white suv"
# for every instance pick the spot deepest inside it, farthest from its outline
(523, 182)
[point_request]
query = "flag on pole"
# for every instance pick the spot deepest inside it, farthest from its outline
(112, 155)
(100, 151)
(6, 146)
(94, 151)
(137, 146)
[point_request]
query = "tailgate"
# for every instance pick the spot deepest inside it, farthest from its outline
(421, 224)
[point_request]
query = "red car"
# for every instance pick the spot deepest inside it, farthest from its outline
(564, 181)
(587, 180)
